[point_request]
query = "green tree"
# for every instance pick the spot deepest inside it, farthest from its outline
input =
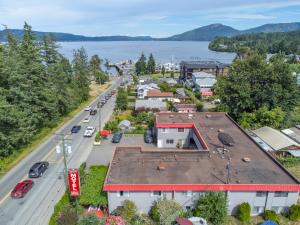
(253, 83)
(270, 215)
(68, 216)
(121, 100)
(165, 211)
(151, 64)
(213, 207)
(163, 70)
(141, 65)
(294, 212)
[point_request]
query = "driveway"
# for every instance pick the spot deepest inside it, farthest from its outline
(102, 154)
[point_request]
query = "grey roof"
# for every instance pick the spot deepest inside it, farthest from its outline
(203, 79)
(274, 138)
(180, 91)
(124, 123)
(152, 104)
(293, 133)
(204, 64)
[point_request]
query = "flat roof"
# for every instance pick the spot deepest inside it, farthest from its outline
(133, 168)
(204, 64)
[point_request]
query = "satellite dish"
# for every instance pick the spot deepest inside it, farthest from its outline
(226, 139)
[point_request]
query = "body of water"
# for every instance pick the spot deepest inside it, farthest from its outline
(163, 51)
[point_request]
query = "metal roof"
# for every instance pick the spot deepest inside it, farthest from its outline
(152, 104)
(274, 138)
(293, 133)
(203, 64)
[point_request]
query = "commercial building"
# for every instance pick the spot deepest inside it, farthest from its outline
(187, 68)
(235, 165)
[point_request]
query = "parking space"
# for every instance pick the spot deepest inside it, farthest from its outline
(102, 154)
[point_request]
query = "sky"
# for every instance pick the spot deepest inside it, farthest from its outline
(157, 18)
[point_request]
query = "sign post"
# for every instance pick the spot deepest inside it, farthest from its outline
(74, 182)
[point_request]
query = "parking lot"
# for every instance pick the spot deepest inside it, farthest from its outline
(102, 154)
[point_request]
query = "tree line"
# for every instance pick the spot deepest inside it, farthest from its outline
(288, 42)
(142, 66)
(38, 86)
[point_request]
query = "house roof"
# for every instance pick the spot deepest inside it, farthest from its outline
(274, 138)
(185, 106)
(157, 93)
(125, 123)
(293, 133)
(180, 91)
(133, 168)
(204, 79)
(203, 64)
(152, 104)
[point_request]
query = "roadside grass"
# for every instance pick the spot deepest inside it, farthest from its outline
(9, 162)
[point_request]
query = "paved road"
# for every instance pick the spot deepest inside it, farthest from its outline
(37, 206)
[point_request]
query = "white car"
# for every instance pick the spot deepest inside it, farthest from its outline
(86, 120)
(89, 131)
(87, 108)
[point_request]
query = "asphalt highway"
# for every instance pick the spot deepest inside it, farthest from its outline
(37, 206)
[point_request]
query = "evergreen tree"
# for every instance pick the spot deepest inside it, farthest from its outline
(151, 64)
(141, 66)
(163, 70)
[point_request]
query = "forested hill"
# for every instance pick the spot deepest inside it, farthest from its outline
(288, 42)
(70, 37)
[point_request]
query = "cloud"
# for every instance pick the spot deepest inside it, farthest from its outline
(238, 16)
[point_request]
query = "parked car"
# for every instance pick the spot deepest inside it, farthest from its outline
(89, 131)
(93, 112)
(38, 169)
(117, 137)
(86, 120)
(21, 189)
(87, 108)
(75, 129)
(103, 101)
(106, 97)
(148, 136)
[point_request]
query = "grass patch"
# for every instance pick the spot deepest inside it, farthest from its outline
(9, 162)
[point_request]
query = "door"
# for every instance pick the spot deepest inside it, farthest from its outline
(159, 143)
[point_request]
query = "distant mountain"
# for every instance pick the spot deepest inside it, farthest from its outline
(205, 33)
(72, 37)
(276, 27)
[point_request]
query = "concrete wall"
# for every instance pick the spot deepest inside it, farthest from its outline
(172, 133)
(144, 200)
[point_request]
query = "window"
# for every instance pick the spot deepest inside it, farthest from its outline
(156, 193)
(281, 194)
(258, 209)
(180, 129)
(170, 141)
(188, 193)
(123, 194)
(261, 194)
(164, 130)
(188, 208)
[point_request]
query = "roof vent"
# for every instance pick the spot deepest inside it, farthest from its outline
(171, 116)
(161, 167)
(190, 116)
(246, 159)
(208, 116)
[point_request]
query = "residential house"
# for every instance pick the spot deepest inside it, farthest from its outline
(142, 89)
(244, 171)
(158, 95)
(170, 81)
(185, 108)
(203, 82)
(152, 105)
(187, 68)
(279, 142)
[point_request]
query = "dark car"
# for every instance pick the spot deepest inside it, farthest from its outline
(106, 97)
(117, 137)
(21, 189)
(38, 169)
(93, 112)
(148, 136)
(75, 129)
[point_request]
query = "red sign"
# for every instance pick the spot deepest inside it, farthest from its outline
(74, 182)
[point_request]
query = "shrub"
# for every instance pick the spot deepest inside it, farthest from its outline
(270, 215)
(244, 211)
(68, 216)
(97, 137)
(212, 206)
(294, 212)
(63, 202)
(90, 220)
(165, 211)
(127, 211)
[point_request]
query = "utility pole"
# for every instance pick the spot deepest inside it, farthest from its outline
(62, 138)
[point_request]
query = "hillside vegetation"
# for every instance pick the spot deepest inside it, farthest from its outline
(288, 43)
(37, 87)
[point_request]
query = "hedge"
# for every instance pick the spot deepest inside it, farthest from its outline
(244, 212)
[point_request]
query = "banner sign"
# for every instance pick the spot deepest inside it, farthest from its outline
(74, 182)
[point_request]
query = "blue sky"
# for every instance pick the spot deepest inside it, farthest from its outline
(158, 18)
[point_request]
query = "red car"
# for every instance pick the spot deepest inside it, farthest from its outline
(21, 189)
